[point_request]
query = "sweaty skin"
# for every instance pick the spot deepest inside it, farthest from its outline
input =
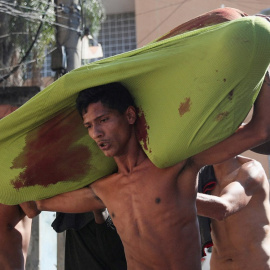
(240, 216)
(15, 230)
(153, 209)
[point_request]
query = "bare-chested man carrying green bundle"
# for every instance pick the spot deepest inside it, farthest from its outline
(153, 209)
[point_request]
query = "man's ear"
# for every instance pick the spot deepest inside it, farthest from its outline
(131, 115)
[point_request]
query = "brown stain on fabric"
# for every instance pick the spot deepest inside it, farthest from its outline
(221, 116)
(230, 95)
(142, 128)
(50, 154)
(184, 106)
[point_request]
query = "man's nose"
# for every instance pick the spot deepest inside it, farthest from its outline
(95, 132)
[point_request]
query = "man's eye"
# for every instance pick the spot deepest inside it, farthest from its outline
(88, 127)
(104, 119)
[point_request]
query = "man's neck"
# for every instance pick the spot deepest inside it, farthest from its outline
(130, 161)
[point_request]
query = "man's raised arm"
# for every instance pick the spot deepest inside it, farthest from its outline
(255, 133)
(77, 201)
(232, 200)
(235, 195)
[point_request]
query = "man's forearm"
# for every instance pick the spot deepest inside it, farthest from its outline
(211, 206)
(78, 201)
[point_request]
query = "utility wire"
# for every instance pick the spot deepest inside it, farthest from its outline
(247, 5)
(30, 61)
(36, 17)
(243, 3)
(35, 14)
(180, 5)
(28, 51)
(248, 2)
(42, 20)
(70, 28)
(157, 9)
(7, 3)
(138, 14)
(14, 33)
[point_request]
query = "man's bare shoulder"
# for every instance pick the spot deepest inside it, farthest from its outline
(251, 166)
(251, 172)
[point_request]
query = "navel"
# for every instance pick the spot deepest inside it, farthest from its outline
(157, 200)
(113, 215)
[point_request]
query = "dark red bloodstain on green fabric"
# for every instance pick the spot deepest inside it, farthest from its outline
(50, 155)
(184, 106)
(142, 128)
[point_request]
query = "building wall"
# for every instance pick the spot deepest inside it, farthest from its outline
(156, 17)
(118, 6)
(118, 33)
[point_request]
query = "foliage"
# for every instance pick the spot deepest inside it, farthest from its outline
(21, 19)
(31, 13)
(93, 15)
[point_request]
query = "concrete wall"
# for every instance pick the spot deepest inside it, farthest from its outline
(118, 6)
(156, 17)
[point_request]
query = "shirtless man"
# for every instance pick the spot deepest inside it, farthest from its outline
(15, 231)
(240, 215)
(153, 209)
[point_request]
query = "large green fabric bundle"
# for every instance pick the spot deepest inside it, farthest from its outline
(192, 91)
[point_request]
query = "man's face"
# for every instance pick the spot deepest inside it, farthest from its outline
(108, 128)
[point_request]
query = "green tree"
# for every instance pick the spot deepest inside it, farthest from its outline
(27, 29)
(93, 15)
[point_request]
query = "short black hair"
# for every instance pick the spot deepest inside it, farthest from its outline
(113, 95)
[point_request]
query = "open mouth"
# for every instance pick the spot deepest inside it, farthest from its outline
(103, 145)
